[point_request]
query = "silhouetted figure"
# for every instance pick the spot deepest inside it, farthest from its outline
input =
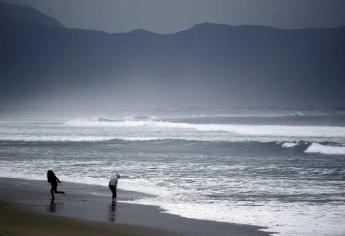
(53, 180)
(113, 185)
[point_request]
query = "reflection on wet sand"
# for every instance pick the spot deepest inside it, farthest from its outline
(51, 207)
(55, 207)
(85, 209)
(112, 212)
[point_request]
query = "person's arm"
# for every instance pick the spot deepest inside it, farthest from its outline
(57, 179)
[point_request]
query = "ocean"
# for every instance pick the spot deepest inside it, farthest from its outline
(279, 170)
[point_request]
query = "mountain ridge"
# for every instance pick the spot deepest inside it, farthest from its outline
(207, 64)
(25, 13)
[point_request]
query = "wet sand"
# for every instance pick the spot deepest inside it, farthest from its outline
(21, 222)
(87, 210)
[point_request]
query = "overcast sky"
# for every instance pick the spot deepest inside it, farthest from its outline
(167, 16)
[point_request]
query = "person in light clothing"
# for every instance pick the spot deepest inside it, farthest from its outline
(113, 185)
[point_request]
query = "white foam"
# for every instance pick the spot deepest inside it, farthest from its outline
(289, 219)
(289, 145)
(325, 149)
(247, 130)
(52, 138)
(63, 138)
(98, 130)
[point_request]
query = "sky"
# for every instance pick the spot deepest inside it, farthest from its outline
(169, 16)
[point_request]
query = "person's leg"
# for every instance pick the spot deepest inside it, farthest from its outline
(61, 192)
(52, 193)
(113, 191)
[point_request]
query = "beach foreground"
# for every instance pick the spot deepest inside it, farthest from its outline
(86, 210)
(19, 222)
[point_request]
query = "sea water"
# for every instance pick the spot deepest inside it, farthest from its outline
(285, 172)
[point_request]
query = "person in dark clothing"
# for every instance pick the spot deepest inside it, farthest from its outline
(53, 180)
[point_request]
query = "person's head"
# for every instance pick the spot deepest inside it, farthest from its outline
(118, 175)
(50, 175)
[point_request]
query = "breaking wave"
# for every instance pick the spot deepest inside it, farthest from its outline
(325, 149)
(289, 145)
(237, 129)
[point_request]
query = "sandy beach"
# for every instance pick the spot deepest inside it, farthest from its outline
(21, 222)
(87, 210)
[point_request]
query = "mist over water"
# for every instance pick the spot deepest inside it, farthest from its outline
(280, 170)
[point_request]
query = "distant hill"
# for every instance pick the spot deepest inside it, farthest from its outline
(208, 64)
(13, 14)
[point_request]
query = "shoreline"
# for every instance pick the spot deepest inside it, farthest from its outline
(92, 204)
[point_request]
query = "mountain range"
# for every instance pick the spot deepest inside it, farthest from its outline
(41, 61)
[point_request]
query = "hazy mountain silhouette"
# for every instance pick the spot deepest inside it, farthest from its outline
(10, 14)
(206, 64)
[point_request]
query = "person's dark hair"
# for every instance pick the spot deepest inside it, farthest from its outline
(50, 176)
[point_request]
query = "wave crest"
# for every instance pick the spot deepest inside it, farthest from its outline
(325, 149)
(235, 129)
